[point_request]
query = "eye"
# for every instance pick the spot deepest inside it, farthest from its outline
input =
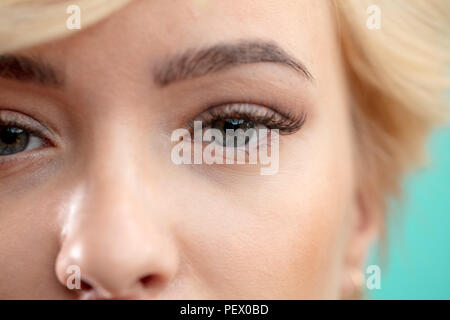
(239, 123)
(20, 132)
(14, 139)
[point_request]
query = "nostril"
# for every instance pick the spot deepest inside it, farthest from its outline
(147, 280)
(85, 285)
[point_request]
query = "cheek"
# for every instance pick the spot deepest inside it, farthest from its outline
(29, 244)
(277, 237)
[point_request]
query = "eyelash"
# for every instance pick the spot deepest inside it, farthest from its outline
(286, 123)
(30, 130)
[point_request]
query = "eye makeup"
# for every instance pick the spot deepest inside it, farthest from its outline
(259, 115)
(246, 128)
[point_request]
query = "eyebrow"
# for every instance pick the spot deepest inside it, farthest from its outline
(193, 63)
(28, 69)
(196, 63)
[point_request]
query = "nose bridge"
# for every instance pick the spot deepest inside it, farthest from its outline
(115, 232)
(114, 173)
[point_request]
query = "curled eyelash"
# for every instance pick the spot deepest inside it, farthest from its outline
(285, 123)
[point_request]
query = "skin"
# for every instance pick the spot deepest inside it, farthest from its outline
(107, 198)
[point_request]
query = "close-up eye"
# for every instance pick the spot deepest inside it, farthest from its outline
(240, 123)
(17, 137)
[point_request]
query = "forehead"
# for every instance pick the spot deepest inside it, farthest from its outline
(159, 27)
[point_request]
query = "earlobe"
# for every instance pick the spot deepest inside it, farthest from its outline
(353, 284)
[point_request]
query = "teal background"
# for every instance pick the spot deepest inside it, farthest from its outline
(418, 259)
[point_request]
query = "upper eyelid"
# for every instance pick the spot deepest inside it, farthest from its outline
(236, 107)
(256, 112)
(285, 125)
(13, 118)
(219, 111)
(229, 109)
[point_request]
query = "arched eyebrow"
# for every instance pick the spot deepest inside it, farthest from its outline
(191, 64)
(196, 63)
(29, 69)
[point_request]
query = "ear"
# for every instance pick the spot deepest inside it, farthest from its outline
(364, 229)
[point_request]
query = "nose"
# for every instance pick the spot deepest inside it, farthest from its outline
(116, 240)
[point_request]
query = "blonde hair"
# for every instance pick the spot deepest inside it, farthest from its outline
(24, 23)
(398, 73)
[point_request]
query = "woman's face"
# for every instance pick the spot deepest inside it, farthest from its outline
(87, 170)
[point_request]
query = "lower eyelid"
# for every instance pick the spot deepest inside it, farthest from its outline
(21, 162)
